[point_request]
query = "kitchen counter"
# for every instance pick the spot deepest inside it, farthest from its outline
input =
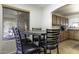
(74, 29)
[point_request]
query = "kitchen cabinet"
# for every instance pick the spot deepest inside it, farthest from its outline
(58, 20)
(54, 21)
(74, 34)
(67, 22)
(64, 35)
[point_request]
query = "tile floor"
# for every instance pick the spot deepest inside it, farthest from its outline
(68, 47)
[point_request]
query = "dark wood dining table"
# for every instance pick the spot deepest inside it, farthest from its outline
(39, 33)
(35, 32)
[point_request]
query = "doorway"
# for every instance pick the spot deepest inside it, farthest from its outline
(68, 17)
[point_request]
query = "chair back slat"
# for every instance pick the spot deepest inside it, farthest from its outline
(52, 37)
(18, 40)
(36, 29)
(52, 33)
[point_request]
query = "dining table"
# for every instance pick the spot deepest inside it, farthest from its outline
(40, 33)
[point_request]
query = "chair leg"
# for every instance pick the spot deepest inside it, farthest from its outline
(50, 51)
(45, 51)
(57, 50)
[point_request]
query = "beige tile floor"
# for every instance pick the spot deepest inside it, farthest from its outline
(68, 47)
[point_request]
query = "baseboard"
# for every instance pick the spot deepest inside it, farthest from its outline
(64, 40)
(69, 39)
(74, 39)
(14, 52)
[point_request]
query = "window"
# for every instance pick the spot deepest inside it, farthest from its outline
(74, 25)
(13, 18)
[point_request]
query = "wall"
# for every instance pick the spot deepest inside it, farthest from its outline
(5, 45)
(1, 13)
(47, 15)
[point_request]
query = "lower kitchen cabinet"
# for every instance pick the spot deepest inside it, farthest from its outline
(74, 34)
(64, 35)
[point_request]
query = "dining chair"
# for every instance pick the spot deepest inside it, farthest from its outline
(39, 39)
(23, 47)
(36, 29)
(40, 42)
(36, 37)
(52, 39)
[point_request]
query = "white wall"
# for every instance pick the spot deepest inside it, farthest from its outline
(47, 15)
(1, 13)
(5, 46)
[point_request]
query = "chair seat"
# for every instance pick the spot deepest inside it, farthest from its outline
(31, 48)
(51, 47)
(36, 39)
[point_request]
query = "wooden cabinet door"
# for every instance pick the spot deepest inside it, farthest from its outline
(58, 20)
(54, 21)
(61, 36)
(71, 34)
(65, 35)
(62, 22)
(66, 22)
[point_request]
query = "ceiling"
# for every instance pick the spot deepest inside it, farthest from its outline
(40, 5)
(67, 10)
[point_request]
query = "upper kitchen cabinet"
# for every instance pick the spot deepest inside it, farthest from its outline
(54, 20)
(59, 20)
(67, 22)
